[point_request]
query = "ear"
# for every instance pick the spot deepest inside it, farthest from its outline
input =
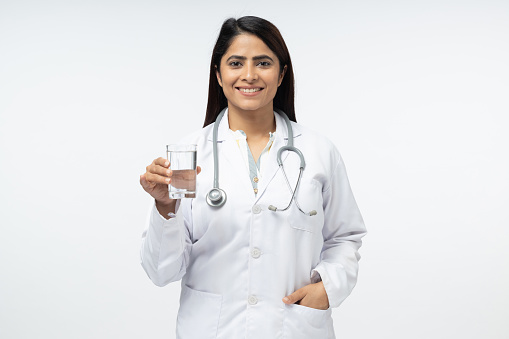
(218, 76)
(281, 76)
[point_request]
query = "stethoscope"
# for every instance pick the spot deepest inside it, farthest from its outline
(217, 197)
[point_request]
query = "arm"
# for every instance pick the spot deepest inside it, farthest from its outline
(166, 242)
(165, 247)
(342, 233)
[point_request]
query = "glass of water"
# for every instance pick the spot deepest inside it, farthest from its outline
(183, 165)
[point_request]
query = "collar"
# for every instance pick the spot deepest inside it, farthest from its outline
(223, 132)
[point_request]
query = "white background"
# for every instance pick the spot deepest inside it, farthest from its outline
(415, 94)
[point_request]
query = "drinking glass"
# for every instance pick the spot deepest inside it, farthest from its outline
(182, 160)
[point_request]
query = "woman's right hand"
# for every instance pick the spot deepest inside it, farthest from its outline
(156, 179)
(155, 182)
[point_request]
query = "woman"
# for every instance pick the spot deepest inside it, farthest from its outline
(249, 271)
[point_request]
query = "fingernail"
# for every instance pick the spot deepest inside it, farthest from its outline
(286, 299)
(166, 163)
(168, 180)
(168, 172)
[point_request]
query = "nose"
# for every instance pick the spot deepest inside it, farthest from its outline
(250, 72)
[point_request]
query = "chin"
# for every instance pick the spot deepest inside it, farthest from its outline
(250, 107)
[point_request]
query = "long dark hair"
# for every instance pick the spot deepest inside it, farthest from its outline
(270, 35)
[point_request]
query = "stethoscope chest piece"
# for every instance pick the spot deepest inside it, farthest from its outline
(216, 197)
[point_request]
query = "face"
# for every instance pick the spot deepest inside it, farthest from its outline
(249, 74)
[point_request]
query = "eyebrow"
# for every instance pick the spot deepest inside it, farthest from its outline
(258, 57)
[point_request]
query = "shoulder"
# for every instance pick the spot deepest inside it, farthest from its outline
(198, 136)
(308, 137)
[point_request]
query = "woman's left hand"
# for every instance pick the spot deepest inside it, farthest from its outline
(312, 295)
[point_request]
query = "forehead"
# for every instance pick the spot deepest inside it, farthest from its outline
(248, 45)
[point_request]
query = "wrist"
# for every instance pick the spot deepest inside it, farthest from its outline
(166, 209)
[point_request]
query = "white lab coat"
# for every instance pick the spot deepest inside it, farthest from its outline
(237, 262)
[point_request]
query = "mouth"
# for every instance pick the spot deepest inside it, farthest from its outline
(249, 90)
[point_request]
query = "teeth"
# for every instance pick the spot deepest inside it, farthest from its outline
(250, 90)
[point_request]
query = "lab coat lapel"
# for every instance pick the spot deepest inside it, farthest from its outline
(237, 169)
(271, 167)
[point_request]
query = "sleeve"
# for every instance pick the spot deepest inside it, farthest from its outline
(342, 233)
(165, 246)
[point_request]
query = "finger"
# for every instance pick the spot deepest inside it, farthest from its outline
(144, 183)
(162, 162)
(295, 296)
(157, 179)
(158, 169)
(198, 170)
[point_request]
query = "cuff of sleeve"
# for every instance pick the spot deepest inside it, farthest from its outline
(319, 273)
(315, 276)
(160, 220)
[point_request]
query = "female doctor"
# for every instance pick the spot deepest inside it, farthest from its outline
(253, 268)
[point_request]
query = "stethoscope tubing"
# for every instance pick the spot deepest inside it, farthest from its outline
(217, 197)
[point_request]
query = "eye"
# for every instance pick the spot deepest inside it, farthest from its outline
(235, 64)
(264, 63)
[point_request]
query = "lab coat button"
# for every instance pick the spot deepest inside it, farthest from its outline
(255, 253)
(257, 209)
(252, 300)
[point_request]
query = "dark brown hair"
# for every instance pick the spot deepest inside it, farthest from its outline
(270, 35)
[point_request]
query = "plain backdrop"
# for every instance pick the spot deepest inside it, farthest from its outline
(415, 94)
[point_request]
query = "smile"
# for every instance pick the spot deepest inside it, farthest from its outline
(249, 90)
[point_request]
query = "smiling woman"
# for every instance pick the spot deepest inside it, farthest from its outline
(248, 268)
(249, 74)
(272, 55)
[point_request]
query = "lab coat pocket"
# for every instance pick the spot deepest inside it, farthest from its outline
(198, 314)
(305, 322)
(309, 198)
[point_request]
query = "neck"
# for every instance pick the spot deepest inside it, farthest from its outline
(254, 123)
